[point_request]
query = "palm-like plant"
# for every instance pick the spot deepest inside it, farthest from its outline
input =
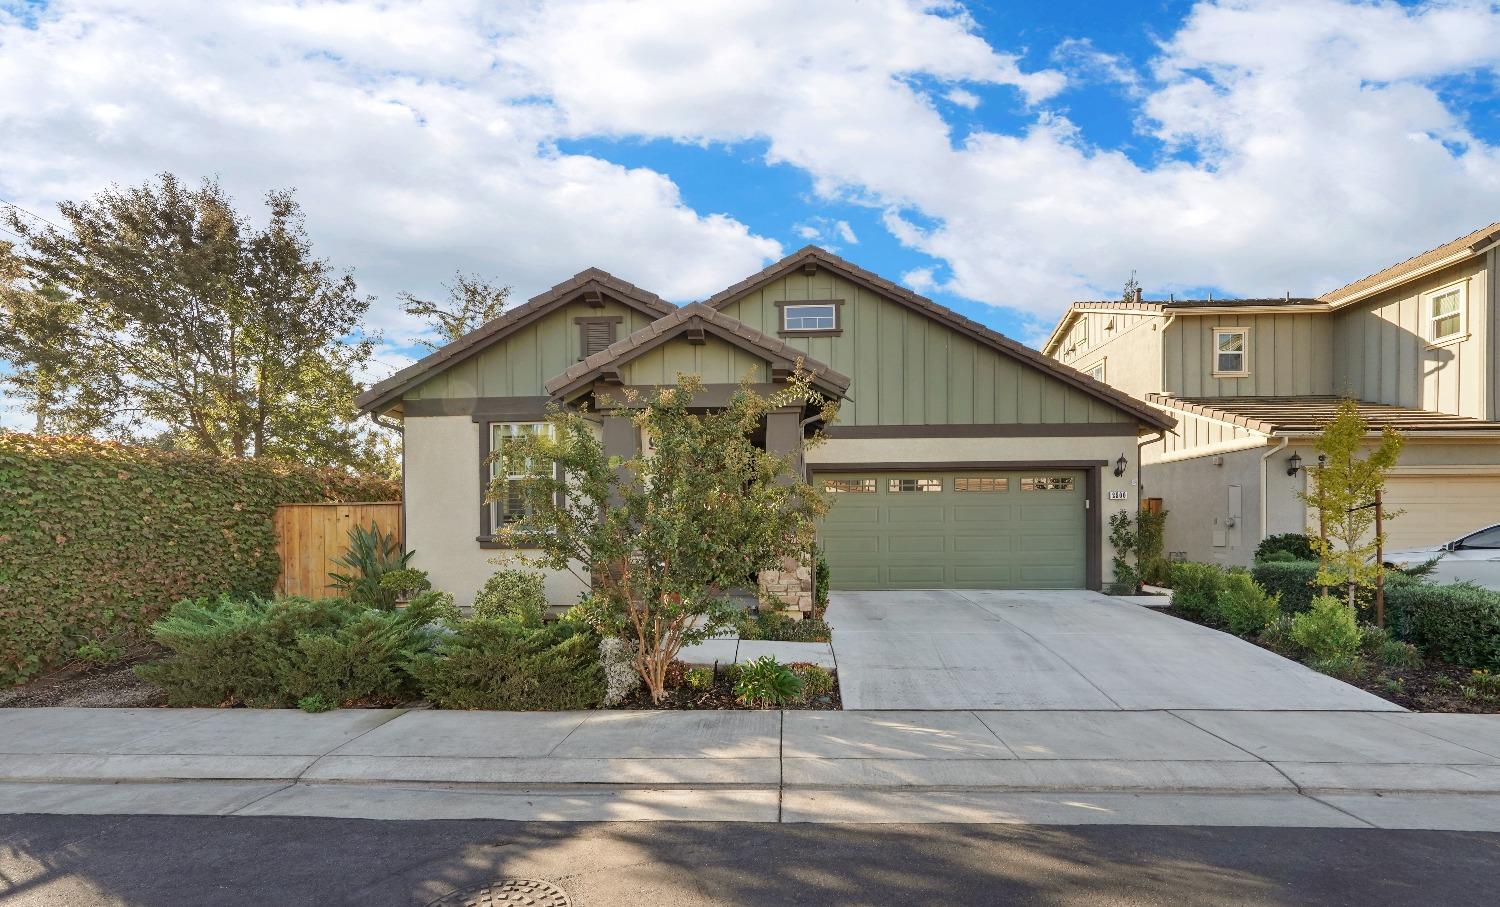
(371, 555)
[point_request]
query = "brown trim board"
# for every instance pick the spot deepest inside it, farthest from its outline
(999, 430)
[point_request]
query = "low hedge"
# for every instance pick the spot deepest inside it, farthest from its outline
(1458, 623)
(98, 538)
(1294, 581)
(502, 664)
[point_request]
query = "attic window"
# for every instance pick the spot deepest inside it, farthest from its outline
(804, 317)
(596, 332)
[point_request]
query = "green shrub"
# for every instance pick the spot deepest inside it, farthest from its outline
(773, 625)
(816, 681)
(822, 576)
(1344, 667)
(1293, 582)
(699, 679)
(1458, 623)
(1278, 557)
(406, 582)
(1277, 636)
(1296, 544)
(275, 653)
(98, 539)
(766, 682)
(1327, 630)
(315, 703)
(1378, 645)
(1150, 540)
(370, 556)
(1196, 587)
(518, 596)
(492, 663)
(1244, 606)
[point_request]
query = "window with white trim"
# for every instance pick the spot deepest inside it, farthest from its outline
(1446, 313)
(1096, 371)
(809, 317)
(1231, 352)
(511, 505)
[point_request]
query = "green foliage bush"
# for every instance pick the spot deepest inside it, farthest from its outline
(97, 539)
(370, 557)
(1327, 630)
(1458, 623)
(276, 653)
(518, 596)
(816, 681)
(1379, 645)
(492, 663)
(1196, 587)
(778, 627)
(1296, 544)
(1244, 607)
(822, 576)
(1295, 582)
(766, 682)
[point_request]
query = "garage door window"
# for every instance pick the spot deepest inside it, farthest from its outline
(849, 486)
(1047, 483)
(981, 484)
(900, 486)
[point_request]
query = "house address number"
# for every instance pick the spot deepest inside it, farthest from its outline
(1117, 495)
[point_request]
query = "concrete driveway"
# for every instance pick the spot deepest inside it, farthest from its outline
(1058, 650)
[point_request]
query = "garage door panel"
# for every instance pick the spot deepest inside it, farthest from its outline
(993, 534)
(1440, 508)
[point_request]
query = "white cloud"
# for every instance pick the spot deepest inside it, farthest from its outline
(962, 97)
(920, 279)
(1306, 142)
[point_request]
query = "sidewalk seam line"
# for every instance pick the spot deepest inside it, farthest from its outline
(1338, 809)
(397, 713)
(244, 806)
(1274, 767)
(993, 733)
(780, 764)
(581, 722)
(1389, 718)
(1027, 633)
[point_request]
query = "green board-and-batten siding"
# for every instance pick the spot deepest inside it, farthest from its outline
(518, 365)
(714, 360)
(909, 369)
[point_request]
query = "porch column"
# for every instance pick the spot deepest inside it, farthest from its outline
(619, 441)
(789, 587)
(784, 434)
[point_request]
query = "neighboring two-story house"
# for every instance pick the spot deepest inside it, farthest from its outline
(959, 458)
(1251, 381)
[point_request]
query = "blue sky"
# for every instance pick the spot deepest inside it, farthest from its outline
(1003, 158)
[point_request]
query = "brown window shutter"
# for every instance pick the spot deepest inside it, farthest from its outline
(597, 335)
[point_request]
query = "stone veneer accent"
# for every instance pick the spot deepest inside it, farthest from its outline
(789, 589)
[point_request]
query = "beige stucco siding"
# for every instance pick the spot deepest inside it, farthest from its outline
(1288, 355)
(1029, 450)
(518, 365)
(442, 493)
(908, 369)
(1381, 351)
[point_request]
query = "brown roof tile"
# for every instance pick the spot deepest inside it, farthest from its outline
(1308, 414)
(1469, 242)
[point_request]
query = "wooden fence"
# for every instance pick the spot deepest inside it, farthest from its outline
(310, 536)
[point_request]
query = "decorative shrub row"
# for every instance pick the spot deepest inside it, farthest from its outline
(1457, 623)
(97, 538)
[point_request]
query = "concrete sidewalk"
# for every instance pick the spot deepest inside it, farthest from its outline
(1174, 767)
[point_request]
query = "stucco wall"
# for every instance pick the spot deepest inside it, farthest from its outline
(442, 496)
(948, 450)
(1131, 351)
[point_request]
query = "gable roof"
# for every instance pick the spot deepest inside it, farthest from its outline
(1308, 414)
(710, 321)
(496, 329)
(813, 255)
(1448, 253)
(1164, 306)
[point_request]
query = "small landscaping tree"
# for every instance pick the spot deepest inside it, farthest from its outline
(1342, 489)
(665, 533)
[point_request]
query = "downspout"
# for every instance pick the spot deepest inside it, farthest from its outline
(1265, 480)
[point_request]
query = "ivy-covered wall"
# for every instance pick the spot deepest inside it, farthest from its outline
(97, 538)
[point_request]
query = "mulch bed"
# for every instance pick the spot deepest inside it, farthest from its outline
(718, 696)
(1433, 687)
(111, 686)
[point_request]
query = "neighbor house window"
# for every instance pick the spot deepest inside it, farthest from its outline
(900, 486)
(1096, 371)
(849, 486)
(1231, 352)
(980, 484)
(1047, 483)
(819, 316)
(510, 477)
(1445, 314)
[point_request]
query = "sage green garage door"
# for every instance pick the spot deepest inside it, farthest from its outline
(956, 530)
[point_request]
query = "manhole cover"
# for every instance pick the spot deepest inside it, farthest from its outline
(507, 892)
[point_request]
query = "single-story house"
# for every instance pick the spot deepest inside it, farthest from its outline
(960, 458)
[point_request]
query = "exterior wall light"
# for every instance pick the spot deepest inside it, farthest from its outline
(1293, 463)
(1120, 465)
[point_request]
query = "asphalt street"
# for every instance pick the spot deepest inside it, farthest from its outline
(159, 860)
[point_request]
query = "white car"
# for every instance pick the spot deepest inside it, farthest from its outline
(1475, 558)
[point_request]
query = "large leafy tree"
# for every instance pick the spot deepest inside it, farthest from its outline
(472, 300)
(1342, 488)
(665, 534)
(192, 324)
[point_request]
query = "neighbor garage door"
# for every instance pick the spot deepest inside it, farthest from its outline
(1439, 508)
(946, 530)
